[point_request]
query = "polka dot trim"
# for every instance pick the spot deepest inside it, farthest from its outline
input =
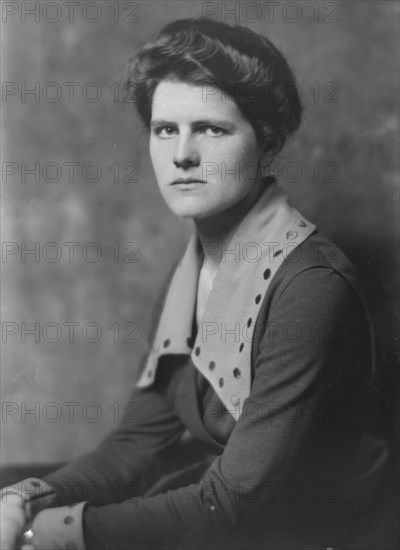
(227, 368)
(291, 235)
(166, 343)
(190, 341)
(68, 520)
(267, 274)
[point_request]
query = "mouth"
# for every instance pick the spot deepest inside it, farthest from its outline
(187, 181)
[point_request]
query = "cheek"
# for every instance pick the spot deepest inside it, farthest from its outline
(153, 150)
(243, 147)
(248, 149)
(242, 155)
(157, 158)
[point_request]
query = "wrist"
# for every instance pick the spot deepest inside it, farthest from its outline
(59, 528)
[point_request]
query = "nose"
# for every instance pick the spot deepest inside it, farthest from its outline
(186, 153)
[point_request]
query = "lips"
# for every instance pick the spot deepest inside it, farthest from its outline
(187, 180)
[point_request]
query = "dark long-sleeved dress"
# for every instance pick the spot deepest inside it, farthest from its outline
(305, 456)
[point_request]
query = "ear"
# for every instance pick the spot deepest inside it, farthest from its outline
(267, 156)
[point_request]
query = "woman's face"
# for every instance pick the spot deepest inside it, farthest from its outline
(204, 152)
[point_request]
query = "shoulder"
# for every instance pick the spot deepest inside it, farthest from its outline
(313, 318)
(317, 260)
(315, 286)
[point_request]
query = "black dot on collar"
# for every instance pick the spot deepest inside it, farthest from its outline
(258, 298)
(190, 341)
(241, 347)
(291, 235)
(211, 365)
(267, 274)
(237, 373)
(277, 253)
(249, 320)
(166, 343)
(221, 382)
(197, 351)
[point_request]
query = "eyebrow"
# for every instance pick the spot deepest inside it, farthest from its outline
(209, 122)
(161, 123)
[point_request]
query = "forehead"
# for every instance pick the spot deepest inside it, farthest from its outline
(178, 100)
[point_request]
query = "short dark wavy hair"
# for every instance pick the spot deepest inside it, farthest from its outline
(243, 64)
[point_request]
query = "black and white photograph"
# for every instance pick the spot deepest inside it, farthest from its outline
(199, 275)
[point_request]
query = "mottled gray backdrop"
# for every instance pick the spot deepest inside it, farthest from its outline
(78, 190)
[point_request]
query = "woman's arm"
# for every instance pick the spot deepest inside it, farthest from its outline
(129, 459)
(125, 462)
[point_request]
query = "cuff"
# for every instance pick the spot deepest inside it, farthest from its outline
(35, 494)
(59, 528)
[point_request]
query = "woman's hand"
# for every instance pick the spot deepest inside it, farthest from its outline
(12, 522)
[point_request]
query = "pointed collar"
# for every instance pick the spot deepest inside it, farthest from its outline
(222, 348)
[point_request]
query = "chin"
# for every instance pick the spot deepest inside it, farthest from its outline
(189, 209)
(189, 213)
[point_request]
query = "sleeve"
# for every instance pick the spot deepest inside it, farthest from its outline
(126, 461)
(264, 444)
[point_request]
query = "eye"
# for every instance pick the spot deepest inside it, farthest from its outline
(213, 131)
(165, 132)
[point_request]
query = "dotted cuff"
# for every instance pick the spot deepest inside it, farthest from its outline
(59, 528)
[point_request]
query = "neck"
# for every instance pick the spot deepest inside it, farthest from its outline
(216, 231)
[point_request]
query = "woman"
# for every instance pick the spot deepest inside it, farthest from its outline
(262, 349)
